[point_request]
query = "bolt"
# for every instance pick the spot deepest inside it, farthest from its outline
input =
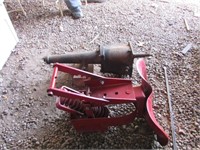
(128, 92)
(102, 82)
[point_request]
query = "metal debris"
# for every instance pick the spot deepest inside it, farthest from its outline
(186, 24)
(187, 48)
(170, 111)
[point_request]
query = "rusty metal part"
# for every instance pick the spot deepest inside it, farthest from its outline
(91, 114)
(78, 106)
(116, 58)
(170, 110)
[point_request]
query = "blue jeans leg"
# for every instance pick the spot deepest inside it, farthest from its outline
(73, 5)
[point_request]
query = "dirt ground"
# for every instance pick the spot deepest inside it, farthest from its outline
(29, 118)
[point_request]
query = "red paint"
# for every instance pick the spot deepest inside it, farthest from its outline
(90, 114)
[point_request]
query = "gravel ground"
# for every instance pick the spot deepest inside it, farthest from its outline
(28, 117)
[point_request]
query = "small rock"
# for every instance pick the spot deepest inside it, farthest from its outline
(20, 142)
(4, 92)
(61, 27)
(5, 112)
(4, 97)
(34, 140)
(180, 110)
(197, 124)
(30, 98)
(136, 127)
(156, 144)
(124, 126)
(181, 131)
(193, 131)
(37, 143)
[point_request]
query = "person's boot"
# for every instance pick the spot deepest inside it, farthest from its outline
(77, 13)
(75, 8)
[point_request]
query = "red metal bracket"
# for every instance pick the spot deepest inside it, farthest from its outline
(88, 107)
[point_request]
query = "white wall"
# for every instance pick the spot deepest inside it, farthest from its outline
(8, 36)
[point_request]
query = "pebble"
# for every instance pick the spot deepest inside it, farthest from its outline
(4, 92)
(4, 97)
(180, 110)
(193, 131)
(19, 142)
(181, 131)
(34, 139)
(136, 127)
(124, 126)
(5, 112)
(31, 98)
(37, 143)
